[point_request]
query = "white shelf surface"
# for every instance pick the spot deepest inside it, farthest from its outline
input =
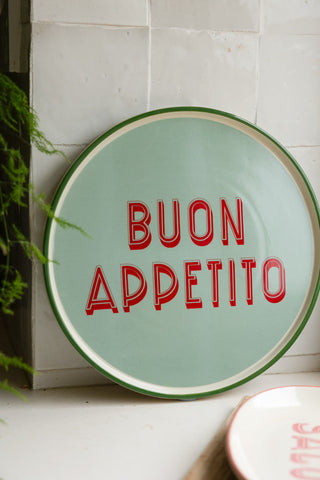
(108, 432)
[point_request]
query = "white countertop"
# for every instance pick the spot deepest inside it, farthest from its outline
(109, 432)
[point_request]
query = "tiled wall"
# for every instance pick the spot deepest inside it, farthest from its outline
(94, 64)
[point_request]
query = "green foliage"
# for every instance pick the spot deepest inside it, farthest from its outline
(18, 129)
(40, 200)
(5, 363)
(18, 126)
(18, 117)
(12, 290)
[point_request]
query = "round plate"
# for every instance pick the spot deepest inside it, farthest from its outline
(199, 269)
(276, 434)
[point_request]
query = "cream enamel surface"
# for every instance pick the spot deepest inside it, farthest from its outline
(262, 437)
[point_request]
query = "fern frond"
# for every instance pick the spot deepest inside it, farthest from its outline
(19, 125)
(46, 207)
(4, 385)
(16, 362)
(29, 247)
(12, 289)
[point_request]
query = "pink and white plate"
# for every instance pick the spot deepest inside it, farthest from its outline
(275, 435)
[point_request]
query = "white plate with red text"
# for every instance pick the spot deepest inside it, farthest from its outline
(275, 435)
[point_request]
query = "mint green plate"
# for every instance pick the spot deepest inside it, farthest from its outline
(201, 264)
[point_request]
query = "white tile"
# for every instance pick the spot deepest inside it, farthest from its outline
(309, 160)
(46, 173)
(289, 100)
(48, 170)
(234, 15)
(68, 377)
(295, 363)
(292, 16)
(216, 70)
(85, 79)
(52, 350)
(107, 12)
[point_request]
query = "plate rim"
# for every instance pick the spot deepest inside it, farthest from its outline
(56, 198)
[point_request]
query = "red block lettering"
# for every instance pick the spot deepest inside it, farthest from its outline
(306, 473)
(249, 264)
(226, 217)
(306, 443)
(140, 225)
(215, 265)
(299, 457)
(94, 303)
(174, 240)
(232, 283)
(130, 299)
(161, 297)
(300, 428)
(192, 280)
(274, 297)
(205, 239)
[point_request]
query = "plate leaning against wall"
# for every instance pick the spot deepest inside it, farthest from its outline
(199, 268)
